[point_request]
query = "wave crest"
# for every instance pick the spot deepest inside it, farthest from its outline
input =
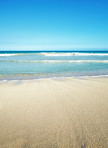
(57, 61)
(7, 55)
(74, 54)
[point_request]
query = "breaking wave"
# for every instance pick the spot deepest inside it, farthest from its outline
(54, 54)
(7, 55)
(57, 61)
(74, 54)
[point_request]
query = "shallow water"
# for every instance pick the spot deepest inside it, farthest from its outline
(35, 64)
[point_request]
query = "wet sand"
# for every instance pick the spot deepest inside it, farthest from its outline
(54, 113)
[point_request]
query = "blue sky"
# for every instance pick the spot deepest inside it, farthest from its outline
(53, 24)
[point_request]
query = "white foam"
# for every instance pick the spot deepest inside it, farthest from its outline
(73, 61)
(6, 54)
(74, 54)
(57, 54)
(61, 61)
(97, 76)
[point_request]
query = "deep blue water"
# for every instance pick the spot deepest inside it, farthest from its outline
(40, 64)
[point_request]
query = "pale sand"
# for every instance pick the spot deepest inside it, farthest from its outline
(48, 113)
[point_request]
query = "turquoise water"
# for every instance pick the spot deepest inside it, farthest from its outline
(34, 64)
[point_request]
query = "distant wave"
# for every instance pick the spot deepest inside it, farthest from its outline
(74, 54)
(7, 55)
(54, 54)
(56, 61)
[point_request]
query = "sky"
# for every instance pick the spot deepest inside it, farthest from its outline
(53, 24)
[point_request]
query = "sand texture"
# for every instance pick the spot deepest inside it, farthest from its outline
(49, 113)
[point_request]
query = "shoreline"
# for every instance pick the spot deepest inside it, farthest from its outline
(53, 77)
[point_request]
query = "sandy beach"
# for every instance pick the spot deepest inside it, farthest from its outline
(54, 113)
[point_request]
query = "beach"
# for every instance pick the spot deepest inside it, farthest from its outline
(54, 113)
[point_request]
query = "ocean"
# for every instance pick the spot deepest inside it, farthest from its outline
(45, 64)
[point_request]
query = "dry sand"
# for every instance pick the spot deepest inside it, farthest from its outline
(48, 113)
